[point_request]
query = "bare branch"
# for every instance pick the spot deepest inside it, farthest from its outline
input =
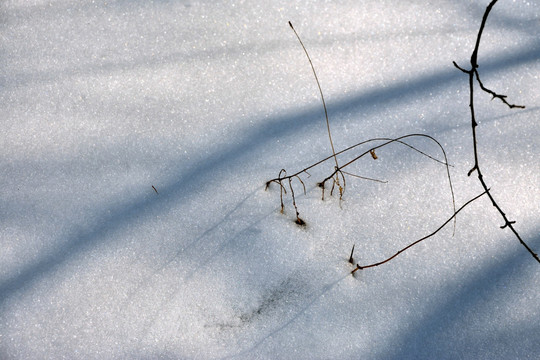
(495, 95)
(473, 74)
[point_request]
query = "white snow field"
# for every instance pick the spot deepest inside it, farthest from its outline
(137, 138)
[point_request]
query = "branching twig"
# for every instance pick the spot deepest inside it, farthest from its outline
(360, 267)
(495, 95)
(473, 74)
(387, 140)
(340, 172)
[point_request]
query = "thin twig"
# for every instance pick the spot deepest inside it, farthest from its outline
(359, 267)
(495, 95)
(364, 178)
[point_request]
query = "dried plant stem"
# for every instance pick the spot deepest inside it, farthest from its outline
(473, 74)
(338, 175)
(351, 259)
(388, 141)
(361, 267)
(324, 105)
(282, 176)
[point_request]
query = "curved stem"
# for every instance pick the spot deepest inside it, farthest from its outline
(359, 267)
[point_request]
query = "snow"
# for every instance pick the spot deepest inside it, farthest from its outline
(206, 101)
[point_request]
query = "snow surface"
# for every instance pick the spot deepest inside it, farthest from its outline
(206, 101)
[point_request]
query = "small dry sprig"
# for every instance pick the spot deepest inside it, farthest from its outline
(351, 259)
(279, 180)
(337, 177)
(282, 176)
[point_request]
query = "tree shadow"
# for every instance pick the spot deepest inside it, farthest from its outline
(191, 181)
(433, 336)
(309, 299)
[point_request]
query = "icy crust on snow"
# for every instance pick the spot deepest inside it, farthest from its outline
(137, 140)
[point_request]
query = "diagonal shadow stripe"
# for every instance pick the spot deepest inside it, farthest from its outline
(427, 339)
